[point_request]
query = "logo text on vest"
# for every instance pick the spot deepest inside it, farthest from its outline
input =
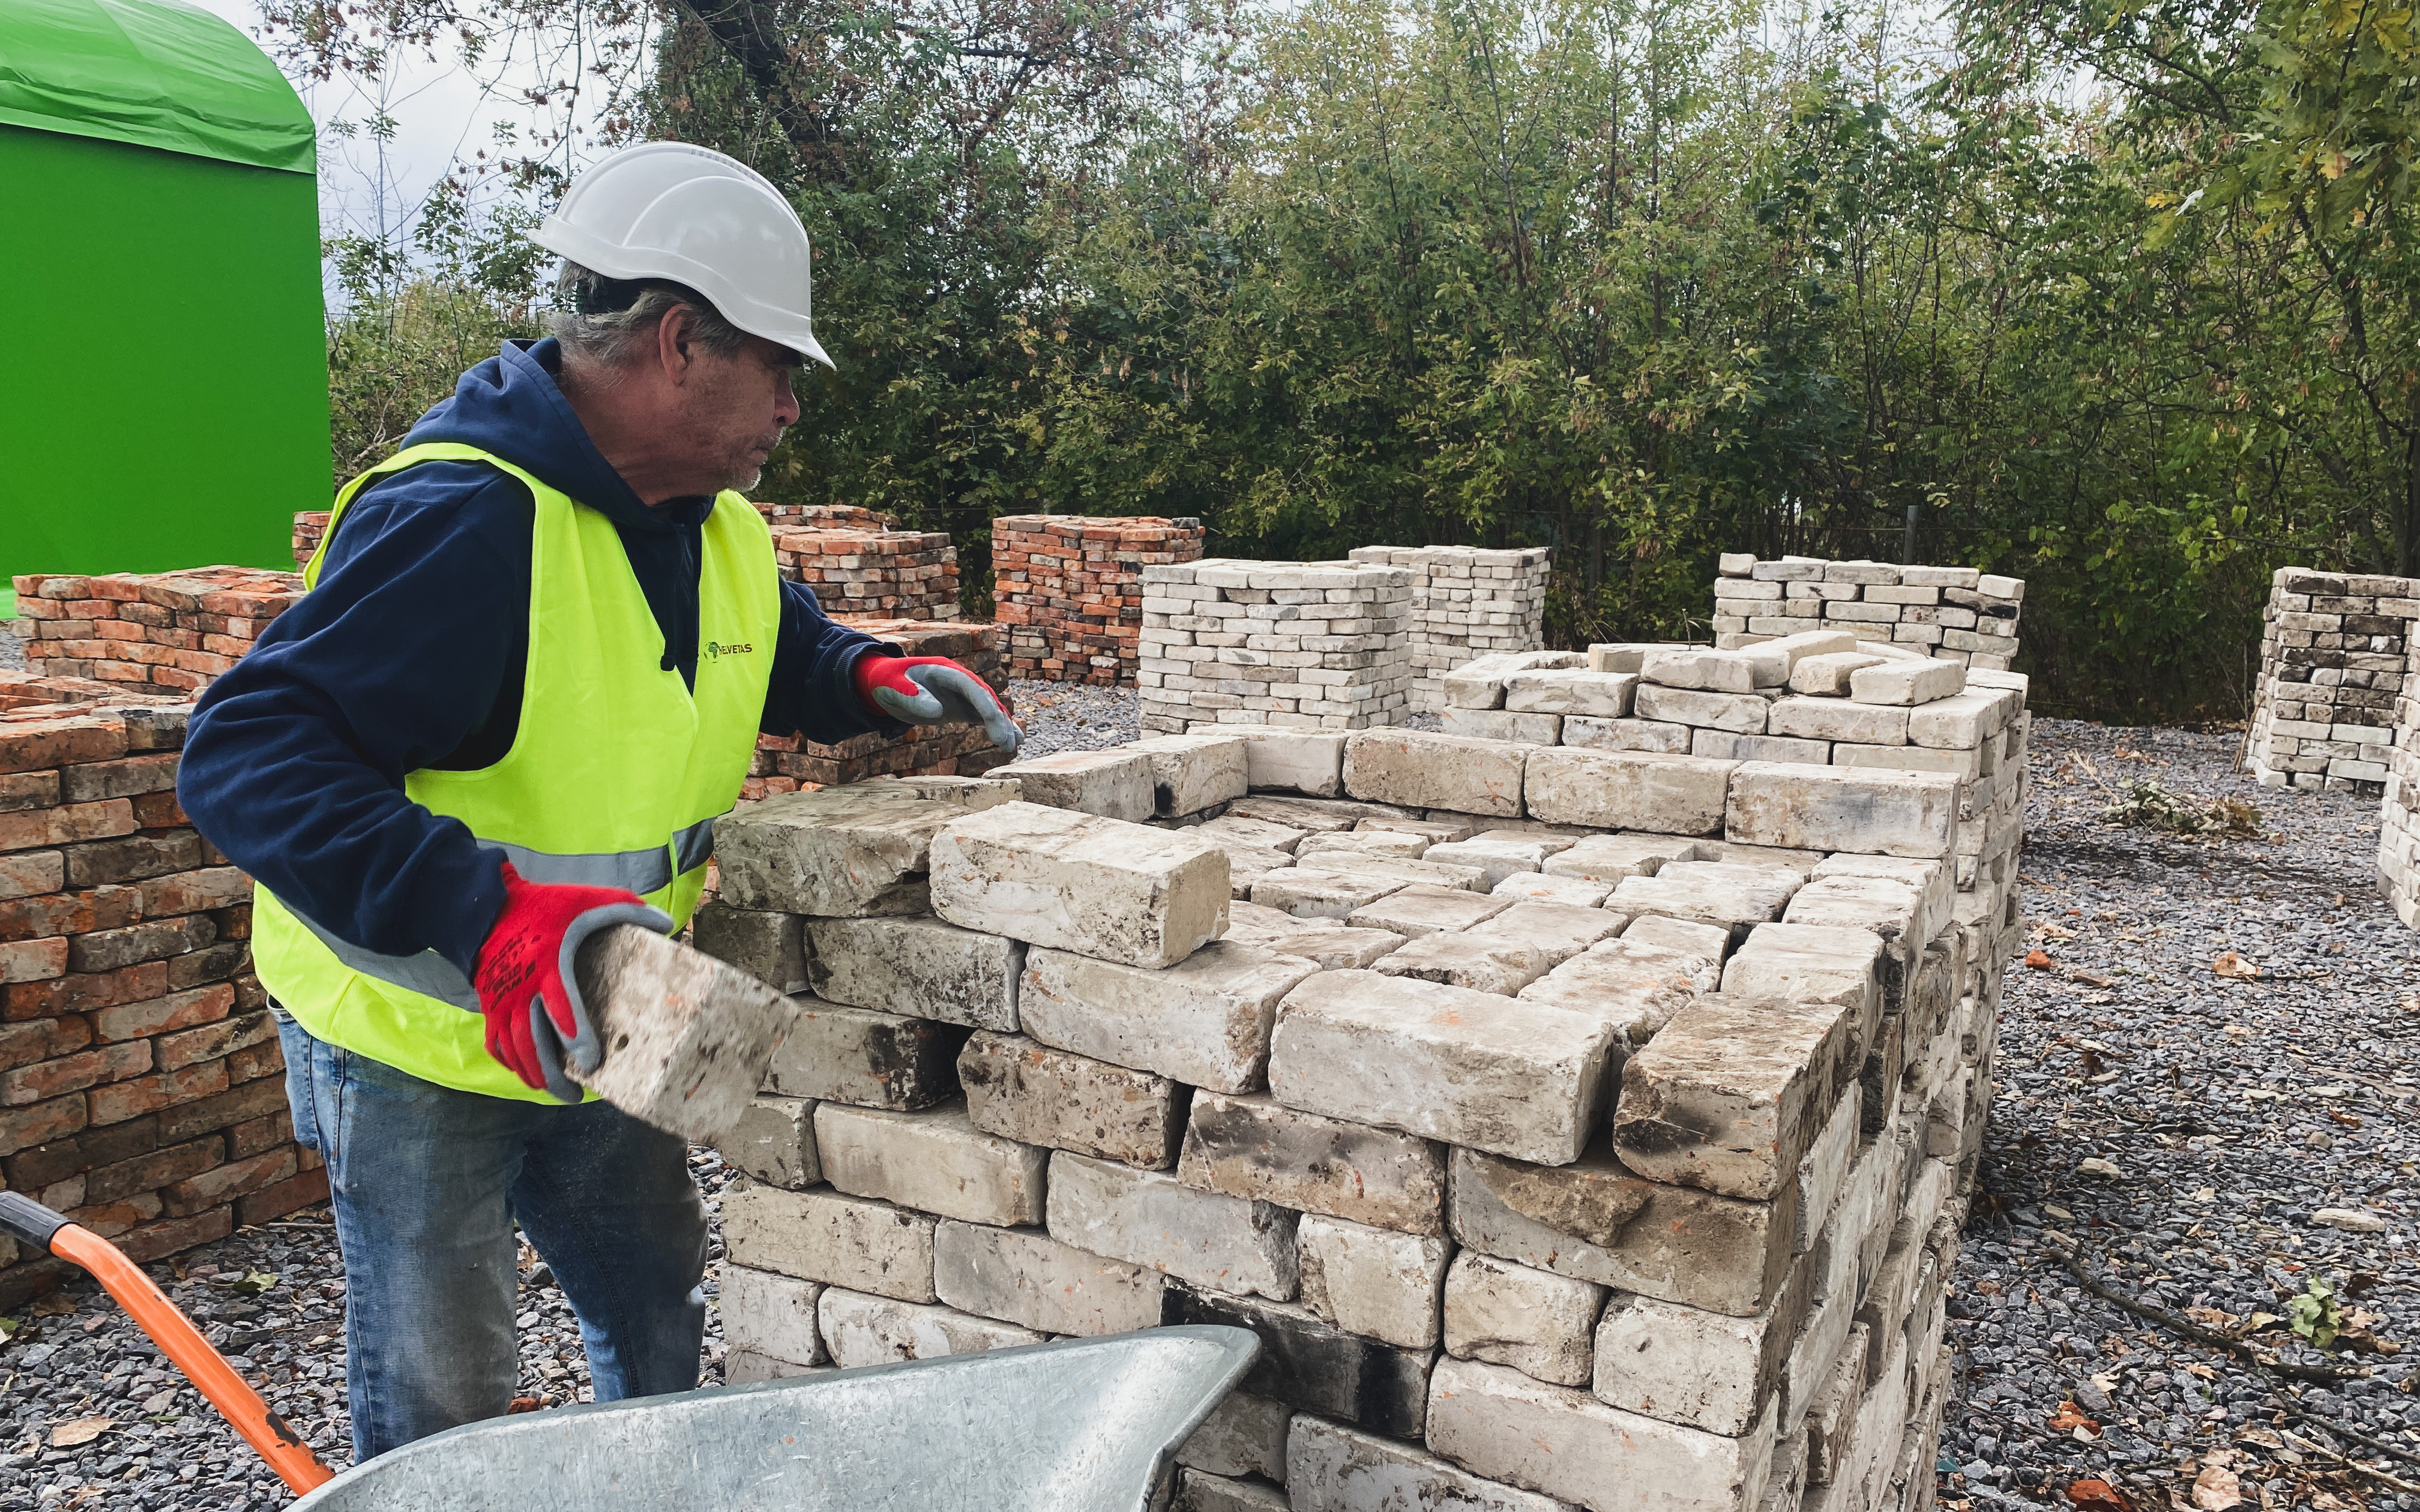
(717, 649)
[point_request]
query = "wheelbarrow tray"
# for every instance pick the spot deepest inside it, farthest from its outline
(1079, 1426)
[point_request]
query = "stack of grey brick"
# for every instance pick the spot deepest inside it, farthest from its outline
(1467, 602)
(1307, 644)
(1952, 613)
(1399, 1049)
(2332, 646)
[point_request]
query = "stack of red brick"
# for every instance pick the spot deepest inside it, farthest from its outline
(826, 517)
(140, 1086)
(309, 526)
(784, 764)
(866, 571)
(158, 632)
(1069, 587)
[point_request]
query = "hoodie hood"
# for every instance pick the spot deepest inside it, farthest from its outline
(511, 404)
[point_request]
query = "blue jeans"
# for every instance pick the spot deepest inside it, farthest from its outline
(427, 1183)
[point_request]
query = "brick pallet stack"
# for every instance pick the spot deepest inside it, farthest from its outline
(1820, 696)
(1574, 1128)
(310, 528)
(1467, 602)
(1307, 644)
(2332, 664)
(168, 632)
(866, 570)
(140, 1086)
(1948, 613)
(1069, 588)
(783, 764)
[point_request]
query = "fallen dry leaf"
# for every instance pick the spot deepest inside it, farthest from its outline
(53, 1304)
(2040, 959)
(82, 1430)
(2072, 1417)
(2231, 965)
(2097, 1496)
(2217, 1490)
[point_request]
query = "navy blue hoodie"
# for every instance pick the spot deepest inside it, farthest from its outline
(410, 654)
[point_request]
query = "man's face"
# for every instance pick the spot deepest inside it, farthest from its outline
(733, 410)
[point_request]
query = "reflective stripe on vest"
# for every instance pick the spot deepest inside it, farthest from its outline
(614, 777)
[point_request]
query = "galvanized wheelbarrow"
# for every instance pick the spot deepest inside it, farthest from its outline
(1080, 1426)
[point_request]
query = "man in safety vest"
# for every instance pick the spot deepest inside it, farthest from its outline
(540, 643)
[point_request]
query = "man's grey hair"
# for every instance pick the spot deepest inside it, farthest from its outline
(610, 322)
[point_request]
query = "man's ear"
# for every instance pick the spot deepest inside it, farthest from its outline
(674, 342)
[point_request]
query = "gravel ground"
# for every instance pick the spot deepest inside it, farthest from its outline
(2179, 1129)
(271, 1300)
(2232, 1109)
(1058, 717)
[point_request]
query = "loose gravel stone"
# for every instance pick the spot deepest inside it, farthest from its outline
(1058, 717)
(273, 1300)
(2235, 1109)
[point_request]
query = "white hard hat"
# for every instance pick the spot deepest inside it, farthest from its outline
(669, 210)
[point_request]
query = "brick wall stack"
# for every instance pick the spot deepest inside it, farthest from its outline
(1575, 1128)
(167, 632)
(2398, 813)
(1820, 697)
(2332, 664)
(1949, 613)
(310, 528)
(783, 764)
(1308, 644)
(872, 571)
(1069, 589)
(1467, 602)
(827, 517)
(140, 1086)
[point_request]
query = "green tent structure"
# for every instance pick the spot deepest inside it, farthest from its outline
(164, 395)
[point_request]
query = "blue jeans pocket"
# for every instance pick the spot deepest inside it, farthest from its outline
(302, 1055)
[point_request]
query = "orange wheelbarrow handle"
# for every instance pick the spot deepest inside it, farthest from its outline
(31, 1224)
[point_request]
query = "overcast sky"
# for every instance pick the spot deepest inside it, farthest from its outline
(441, 111)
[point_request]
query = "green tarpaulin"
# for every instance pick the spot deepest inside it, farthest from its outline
(156, 74)
(164, 398)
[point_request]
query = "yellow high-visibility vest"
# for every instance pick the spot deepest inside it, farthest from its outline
(614, 777)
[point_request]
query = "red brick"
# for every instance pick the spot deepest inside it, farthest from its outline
(31, 961)
(60, 742)
(233, 923)
(82, 993)
(69, 912)
(21, 1284)
(212, 1041)
(191, 892)
(66, 823)
(226, 1183)
(222, 963)
(74, 1073)
(292, 1195)
(86, 781)
(111, 950)
(111, 1219)
(41, 1123)
(133, 858)
(162, 1092)
(160, 810)
(28, 790)
(152, 1241)
(22, 1045)
(29, 873)
(252, 1137)
(255, 1061)
(149, 1172)
(60, 1158)
(62, 1197)
(249, 993)
(253, 1100)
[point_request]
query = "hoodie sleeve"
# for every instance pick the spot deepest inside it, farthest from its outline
(295, 762)
(812, 694)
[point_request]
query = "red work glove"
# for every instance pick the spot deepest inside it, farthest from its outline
(932, 690)
(528, 992)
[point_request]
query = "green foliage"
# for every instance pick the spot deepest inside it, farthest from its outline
(1640, 280)
(2316, 1314)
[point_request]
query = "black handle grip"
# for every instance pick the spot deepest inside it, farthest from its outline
(28, 1221)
